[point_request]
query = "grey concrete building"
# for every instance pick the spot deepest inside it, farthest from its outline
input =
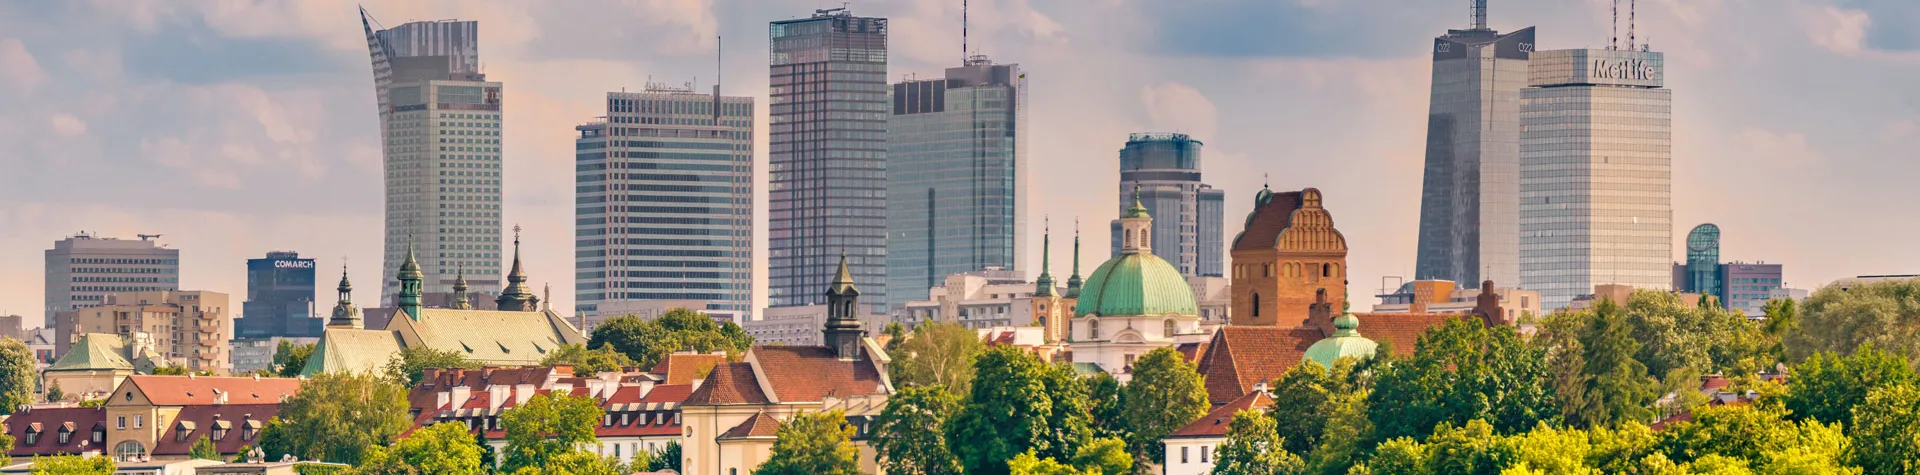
(82, 270)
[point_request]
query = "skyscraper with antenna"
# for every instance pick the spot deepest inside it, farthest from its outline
(1469, 201)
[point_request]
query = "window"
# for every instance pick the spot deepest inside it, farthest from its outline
(138, 420)
(129, 451)
(1183, 454)
(1256, 305)
(1168, 328)
(65, 436)
(120, 423)
(1093, 328)
(1204, 450)
(33, 437)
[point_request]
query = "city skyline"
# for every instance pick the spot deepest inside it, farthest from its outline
(282, 154)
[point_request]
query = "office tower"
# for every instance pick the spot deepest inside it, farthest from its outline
(440, 123)
(191, 328)
(83, 269)
(1700, 274)
(1596, 173)
(956, 176)
(1165, 169)
(1739, 285)
(280, 292)
(664, 201)
(828, 156)
(1469, 198)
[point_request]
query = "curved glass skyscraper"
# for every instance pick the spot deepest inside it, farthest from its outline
(1469, 197)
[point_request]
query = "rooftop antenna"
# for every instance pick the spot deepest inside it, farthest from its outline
(1479, 14)
(1630, 23)
(1614, 41)
(717, 68)
(963, 31)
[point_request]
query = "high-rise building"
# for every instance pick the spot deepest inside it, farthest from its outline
(280, 292)
(664, 201)
(956, 176)
(1469, 197)
(191, 328)
(828, 154)
(440, 123)
(1165, 171)
(83, 269)
(1596, 173)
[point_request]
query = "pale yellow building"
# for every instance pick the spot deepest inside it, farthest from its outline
(191, 328)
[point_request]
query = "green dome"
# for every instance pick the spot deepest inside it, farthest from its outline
(1346, 341)
(1136, 284)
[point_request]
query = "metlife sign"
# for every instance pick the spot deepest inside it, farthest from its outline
(1633, 69)
(1597, 67)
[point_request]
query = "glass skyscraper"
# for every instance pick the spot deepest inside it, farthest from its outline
(280, 293)
(956, 176)
(1469, 197)
(827, 155)
(1596, 156)
(1187, 214)
(663, 193)
(441, 128)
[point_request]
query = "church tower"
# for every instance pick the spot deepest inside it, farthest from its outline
(1288, 262)
(517, 297)
(843, 331)
(1046, 299)
(345, 315)
(1136, 228)
(410, 279)
(459, 300)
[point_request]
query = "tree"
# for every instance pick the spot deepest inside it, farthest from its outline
(72, 465)
(335, 417)
(1165, 394)
(1029, 464)
(410, 365)
(1303, 400)
(1006, 414)
(380, 461)
(1826, 386)
(1107, 406)
(1461, 371)
(204, 449)
(667, 458)
(1253, 446)
(547, 426)
(1839, 318)
(587, 362)
(813, 443)
(1105, 456)
(908, 435)
(1615, 386)
(290, 358)
(1885, 429)
(18, 378)
(442, 449)
(578, 462)
(170, 370)
(1339, 447)
(648, 342)
(1070, 419)
(936, 354)
(54, 394)
(1763, 439)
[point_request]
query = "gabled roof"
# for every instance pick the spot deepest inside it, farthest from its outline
(683, 368)
(49, 421)
(760, 425)
(812, 373)
(1402, 330)
(205, 390)
(494, 337)
(94, 352)
(200, 421)
(348, 350)
(1272, 213)
(1239, 357)
(1215, 423)
(730, 383)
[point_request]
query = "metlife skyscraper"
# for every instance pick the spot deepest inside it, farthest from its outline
(828, 156)
(1469, 198)
(1596, 187)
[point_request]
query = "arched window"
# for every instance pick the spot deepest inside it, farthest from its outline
(1326, 270)
(129, 451)
(1146, 240)
(1168, 329)
(1129, 239)
(1093, 328)
(1256, 305)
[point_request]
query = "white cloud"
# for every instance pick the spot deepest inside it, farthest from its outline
(66, 125)
(1176, 107)
(19, 68)
(1840, 30)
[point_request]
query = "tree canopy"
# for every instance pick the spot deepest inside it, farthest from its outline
(410, 365)
(935, 354)
(1017, 404)
(1253, 446)
(1839, 319)
(1462, 371)
(588, 362)
(290, 358)
(1827, 386)
(72, 465)
(1166, 393)
(335, 417)
(548, 426)
(441, 449)
(909, 435)
(647, 342)
(18, 378)
(813, 443)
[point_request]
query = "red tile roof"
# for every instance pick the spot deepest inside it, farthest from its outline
(683, 368)
(49, 421)
(1192, 351)
(1239, 357)
(730, 383)
(1264, 225)
(1214, 424)
(812, 373)
(760, 425)
(202, 420)
(196, 390)
(1401, 330)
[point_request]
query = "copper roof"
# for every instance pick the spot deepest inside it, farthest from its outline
(1215, 423)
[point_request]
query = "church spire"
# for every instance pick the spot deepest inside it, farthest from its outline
(345, 315)
(1074, 281)
(1043, 287)
(517, 297)
(1136, 228)
(843, 331)
(460, 301)
(410, 280)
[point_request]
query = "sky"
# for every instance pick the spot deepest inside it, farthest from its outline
(239, 127)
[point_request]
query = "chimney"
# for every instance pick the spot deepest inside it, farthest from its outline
(1320, 313)
(219, 397)
(522, 393)
(459, 395)
(430, 375)
(563, 369)
(646, 387)
(497, 395)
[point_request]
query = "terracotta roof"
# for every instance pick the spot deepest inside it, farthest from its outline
(811, 373)
(201, 390)
(683, 368)
(202, 420)
(760, 425)
(1402, 330)
(49, 421)
(1214, 424)
(1267, 220)
(1239, 357)
(730, 383)
(1191, 351)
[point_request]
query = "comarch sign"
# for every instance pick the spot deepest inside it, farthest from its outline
(1628, 69)
(293, 264)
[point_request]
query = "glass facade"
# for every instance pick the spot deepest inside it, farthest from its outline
(1748, 286)
(1596, 181)
(1469, 197)
(1187, 214)
(280, 295)
(1700, 274)
(827, 153)
(663, 201)
(956, 176)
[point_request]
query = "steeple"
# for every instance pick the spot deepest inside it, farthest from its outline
(517, 297)
(345, 315)
(410, 279)
(1043, 287)
(843, 331)
(460, 301)
(1136, 228)
(1073, 282)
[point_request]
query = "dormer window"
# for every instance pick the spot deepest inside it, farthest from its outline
(33, 433)
(65, 435)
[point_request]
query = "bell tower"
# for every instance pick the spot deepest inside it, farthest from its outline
(843, 331)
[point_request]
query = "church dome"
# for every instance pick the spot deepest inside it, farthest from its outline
(1346, 341)
(1136, 284)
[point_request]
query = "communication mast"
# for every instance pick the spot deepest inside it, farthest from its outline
(1479, 14)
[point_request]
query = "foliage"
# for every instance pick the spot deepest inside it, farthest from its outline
(1165, 394)
(1106, 455)
(648, 342)
(335, 417)
(72, 465)
(547, 426)
(94, 402)
(290, 358)
(1304, 399)
(667, 458)
(1253, 446)
(1346, 428)
(577, 462)
(1762, 438)
(908, 435)
(1009, 412)
(204, 449)
(1675, 334)
(1826, 386)
(1462, 371)
(1070, 420)
(1107, 406)
(381, 461)
(1614, 386)
(813, 443)
(54, 394)
(1840, 318)
(170, 370)
(936, 354)
(587, 362)
(410, 365)
(1886, 431)
(1029, 464)
(444, 448)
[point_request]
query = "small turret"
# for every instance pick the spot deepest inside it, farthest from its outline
(517, 297)
(460, 300)
(1043, 286)
(410, 280)
(1136, 228)
(345, 315)
(843, 331)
